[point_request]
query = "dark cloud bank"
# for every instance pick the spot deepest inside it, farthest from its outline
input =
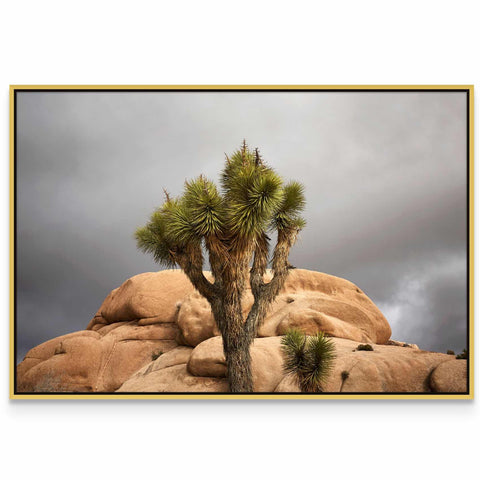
(385, 177)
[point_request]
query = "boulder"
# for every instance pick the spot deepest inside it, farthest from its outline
(391, 369)
(208, 360)
(387, 368)
(173, 357)
(64, 364)
(174, 379)
(450, 376)
(309, 301)
(93, 361)
(195, 320)
(288, 384)
(152, 295)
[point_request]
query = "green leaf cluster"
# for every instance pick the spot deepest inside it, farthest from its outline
(292, 204)
(252, 200)
(309, 358)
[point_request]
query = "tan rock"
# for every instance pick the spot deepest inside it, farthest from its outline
(124, 360)
(313, 301)
(267, 364)
(175, 379)
(450, 376)
(310, 301)
(93, 361)
(175, 356)
(132, 331)
(208, 360)
(288, 384)
(73, 368)
(47, 349)
(148, 295)
(385, 369)
(195, 320)
(152, 313)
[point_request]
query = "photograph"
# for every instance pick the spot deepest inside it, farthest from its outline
(241, 242)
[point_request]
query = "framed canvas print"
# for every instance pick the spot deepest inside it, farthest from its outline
(257, 242)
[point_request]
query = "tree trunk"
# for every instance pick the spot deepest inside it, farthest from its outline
(236, 344)
(239, 373)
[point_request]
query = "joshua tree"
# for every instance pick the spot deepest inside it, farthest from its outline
(231, 225)
(310, 359)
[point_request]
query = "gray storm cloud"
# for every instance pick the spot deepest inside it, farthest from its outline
(385, 177)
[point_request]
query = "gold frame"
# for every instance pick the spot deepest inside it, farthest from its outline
(253, 396)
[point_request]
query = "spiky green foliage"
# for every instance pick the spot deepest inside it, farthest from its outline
(179, 227)
(152, 239)
(252, 201)
(252, 191)
(309, 358)
(287, 215)
(293, 346)
(320, 357)
(205, 206)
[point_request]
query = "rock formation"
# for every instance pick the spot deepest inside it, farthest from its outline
(155, 333)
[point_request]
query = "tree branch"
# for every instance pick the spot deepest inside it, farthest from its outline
(286, 239)
(218, 257)
(191, 261)
(259, 266)
(265, 293)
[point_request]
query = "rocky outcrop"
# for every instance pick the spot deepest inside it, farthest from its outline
(208, 360)
(152, 297)
(155, 333)
(93, 361)
(311, 301)
(385, 369)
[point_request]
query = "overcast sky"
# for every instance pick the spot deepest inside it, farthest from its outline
(385, 177)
